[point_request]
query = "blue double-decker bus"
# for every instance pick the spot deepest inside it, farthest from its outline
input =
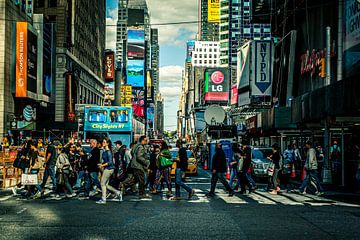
(113, 122)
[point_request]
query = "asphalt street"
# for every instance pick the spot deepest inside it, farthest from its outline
(257, 215)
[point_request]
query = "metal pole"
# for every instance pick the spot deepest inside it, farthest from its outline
(328, 49)
(342, 156)
(327, 168)
(340, 41)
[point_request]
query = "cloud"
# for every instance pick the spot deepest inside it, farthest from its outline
(111, 20)
(171, 74)
(174, 11)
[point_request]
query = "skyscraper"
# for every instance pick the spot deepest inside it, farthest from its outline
(208, 31)
(155, 58)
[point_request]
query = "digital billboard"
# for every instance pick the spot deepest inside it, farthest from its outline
(150, 117)
(214, 11)
(136, 44)
(138, 102)
(109, 66)
(109, 91)
(149, 87)
(135, 73)
(126, 95)
(216, 86)
(48, 48)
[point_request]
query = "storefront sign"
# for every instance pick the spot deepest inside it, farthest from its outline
(109, 66)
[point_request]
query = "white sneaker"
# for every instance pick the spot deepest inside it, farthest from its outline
(101, 202)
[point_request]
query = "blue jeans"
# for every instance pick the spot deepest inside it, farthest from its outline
(49, 172)
(179, 183)
(91, 179)
(252, 182)
(232, 176)
(311, 174)
(79, 177)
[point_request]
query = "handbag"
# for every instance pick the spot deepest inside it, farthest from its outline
(165, 162)
(270, 170)
(240, 164)
(29, 179)
(38, 163)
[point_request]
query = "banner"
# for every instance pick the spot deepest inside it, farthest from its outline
(242, 68)
(262, 60)
(234, 94)
(138, 102)
(109, 66)
(190, 47)
(150, 115)
(21, 59)
(136, 44)
(214, 11)
(149, 87)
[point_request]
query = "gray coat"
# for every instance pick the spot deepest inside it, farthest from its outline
(311, 161)
(139, 160)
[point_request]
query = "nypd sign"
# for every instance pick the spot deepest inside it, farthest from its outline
(261, 82)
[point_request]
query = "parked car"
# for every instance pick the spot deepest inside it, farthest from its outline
(259, 161)
(192, 162)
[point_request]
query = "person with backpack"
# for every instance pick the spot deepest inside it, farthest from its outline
(139, 165)
(163, 171)
(108, 165)
(335, 160)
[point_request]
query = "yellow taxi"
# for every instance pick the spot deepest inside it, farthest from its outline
(192, 162)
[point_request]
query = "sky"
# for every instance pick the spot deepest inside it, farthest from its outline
(172, 41)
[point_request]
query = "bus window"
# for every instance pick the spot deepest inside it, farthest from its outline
(97, 116)
(119, 116)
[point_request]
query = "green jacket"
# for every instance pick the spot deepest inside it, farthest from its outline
(166, 154)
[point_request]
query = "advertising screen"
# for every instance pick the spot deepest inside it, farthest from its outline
(32, 62)
(190, 47)
(149, 87)
(109, 66)
(150, 117)
(47, 58)
(138, 102)
(109, 90)
(126, 95)
(214, 11)
(136, 44)
(216, 85)
(135, 73)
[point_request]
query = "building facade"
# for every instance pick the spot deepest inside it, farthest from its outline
(208, 31)
(206, 54)
(80, 26)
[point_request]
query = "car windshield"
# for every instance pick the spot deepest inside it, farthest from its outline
(261, 153)
(188, 152)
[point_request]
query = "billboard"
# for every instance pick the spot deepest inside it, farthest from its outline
(138, 102)
(242, 68)
(136, 44)
(126, 95)
(214, 11)
(190, 47)
(234, 94)
(351, 37)
(149, 87)
(216, 84)
(48, 47)
(109, 91)
(109, 66)
(262, 60)
(135, 73)
(21, 59)
(150, 115)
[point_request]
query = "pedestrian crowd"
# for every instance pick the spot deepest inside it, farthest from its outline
(106, 169)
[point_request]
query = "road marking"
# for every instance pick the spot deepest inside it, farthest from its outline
(308, 200)
(260, 199)
(232, 200)
(5, 198)
(21, 211)
(281, 199)
(201, 197)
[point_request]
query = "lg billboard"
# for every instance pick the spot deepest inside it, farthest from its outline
(216, 87)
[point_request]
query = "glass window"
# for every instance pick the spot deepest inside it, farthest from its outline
(97, 116)
(120, 116)
(52, 3)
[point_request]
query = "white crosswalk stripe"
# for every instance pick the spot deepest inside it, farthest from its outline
(233, 200)
(280, 199)
(199, 197)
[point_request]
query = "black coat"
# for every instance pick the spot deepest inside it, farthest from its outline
(219, 161)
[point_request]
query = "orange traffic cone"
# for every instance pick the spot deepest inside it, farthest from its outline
(205, 164)
(293, 173)
(303, 174)
(228, 173)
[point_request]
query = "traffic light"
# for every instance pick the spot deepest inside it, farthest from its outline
(322, 72)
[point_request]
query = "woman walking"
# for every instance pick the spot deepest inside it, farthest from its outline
(108, 165)
(273, 180)
(64, 169)
(163, 171)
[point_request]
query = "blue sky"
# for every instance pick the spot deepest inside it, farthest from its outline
(172, 40)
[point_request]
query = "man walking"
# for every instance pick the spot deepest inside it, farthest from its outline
(50, 162)
(245, 179)
(218, 171)
(181, 167)
(311, 166)
(92, 178)
(139, 164)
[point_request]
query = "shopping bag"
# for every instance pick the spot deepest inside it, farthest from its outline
(29, 179)
(270, 170)
(165, 162)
